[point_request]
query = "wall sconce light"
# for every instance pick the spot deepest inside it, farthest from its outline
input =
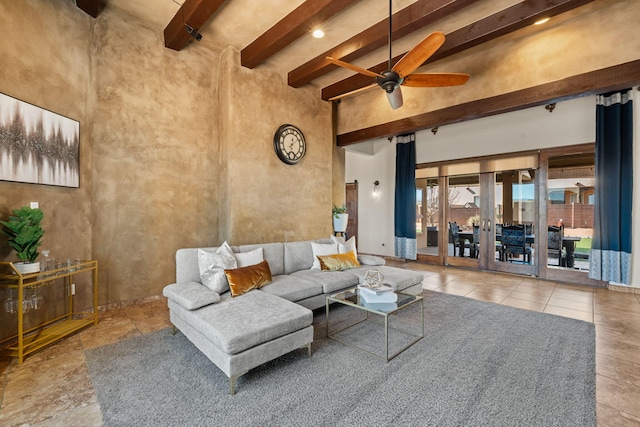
(376, 192)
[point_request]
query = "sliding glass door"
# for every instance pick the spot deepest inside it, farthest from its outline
(569, 212)
(463, 220)
(514, 218)
(427, 216)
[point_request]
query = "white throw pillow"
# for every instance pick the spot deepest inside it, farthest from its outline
(322, 249)
(346, 247)
(212, 266)
(245, 259)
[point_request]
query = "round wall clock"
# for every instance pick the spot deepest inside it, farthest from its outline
(289, 144)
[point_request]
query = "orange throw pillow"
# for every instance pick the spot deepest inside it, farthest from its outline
(338, 262)
(243, 279)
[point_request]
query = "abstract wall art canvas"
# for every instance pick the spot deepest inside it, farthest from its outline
(38, 146)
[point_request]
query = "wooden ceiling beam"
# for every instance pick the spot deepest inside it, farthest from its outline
(410, 19)
(297, 24)
(617, 77)
(90, 7)
(501, 23)
(193, 13)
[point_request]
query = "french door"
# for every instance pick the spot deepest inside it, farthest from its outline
(478, 204)
(511, 203)
(539, 191)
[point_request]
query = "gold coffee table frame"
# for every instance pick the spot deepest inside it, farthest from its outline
(351, 298)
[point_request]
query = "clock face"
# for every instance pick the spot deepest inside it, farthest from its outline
(289, 144)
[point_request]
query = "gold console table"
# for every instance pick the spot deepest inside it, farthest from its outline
(36, 337)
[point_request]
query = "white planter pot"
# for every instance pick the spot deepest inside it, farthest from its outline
(27, 267)
(340, 223)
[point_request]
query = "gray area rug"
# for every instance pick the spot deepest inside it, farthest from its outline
(480, 364)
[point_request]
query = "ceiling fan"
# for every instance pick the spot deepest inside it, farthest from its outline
(401, 73)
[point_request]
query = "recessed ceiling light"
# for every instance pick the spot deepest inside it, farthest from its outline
(541, 21)
(318, 33)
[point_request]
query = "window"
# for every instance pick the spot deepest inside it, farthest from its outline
(556, 197)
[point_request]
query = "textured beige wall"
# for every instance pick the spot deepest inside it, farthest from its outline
(44, 50)
(595, 36)
(155, 153)
(266, 200)
(176, 147)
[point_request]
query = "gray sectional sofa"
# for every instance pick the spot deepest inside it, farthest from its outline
(240, 333)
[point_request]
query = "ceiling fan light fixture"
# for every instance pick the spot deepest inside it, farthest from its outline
(395, 98)
(389, 81)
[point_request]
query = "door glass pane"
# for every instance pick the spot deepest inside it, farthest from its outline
(515, 216)
(463, 202)
(427, 210)
(570, 197)
(498, 220)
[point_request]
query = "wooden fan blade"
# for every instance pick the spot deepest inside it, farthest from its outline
(353, 67)
(435, 79)
(354, 92)
(419, 54)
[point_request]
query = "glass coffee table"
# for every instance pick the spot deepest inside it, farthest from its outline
(357, 335)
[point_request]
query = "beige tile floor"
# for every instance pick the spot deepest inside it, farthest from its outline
(52, 387)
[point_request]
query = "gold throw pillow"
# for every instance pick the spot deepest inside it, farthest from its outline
(243, 279)
(338, 262)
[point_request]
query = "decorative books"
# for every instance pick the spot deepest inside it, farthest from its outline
(375, 290)
(380, 306)
(384, 297)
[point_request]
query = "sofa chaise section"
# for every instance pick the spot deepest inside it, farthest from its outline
(241, 333)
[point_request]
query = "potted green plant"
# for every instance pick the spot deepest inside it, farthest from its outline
(340, 218)
(25, 237)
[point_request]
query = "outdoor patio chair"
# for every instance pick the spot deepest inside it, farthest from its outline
(514, 243)
(459, 243)
(554, 245)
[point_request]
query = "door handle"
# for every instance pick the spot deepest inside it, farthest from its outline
(484, 223)
(489, 225)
